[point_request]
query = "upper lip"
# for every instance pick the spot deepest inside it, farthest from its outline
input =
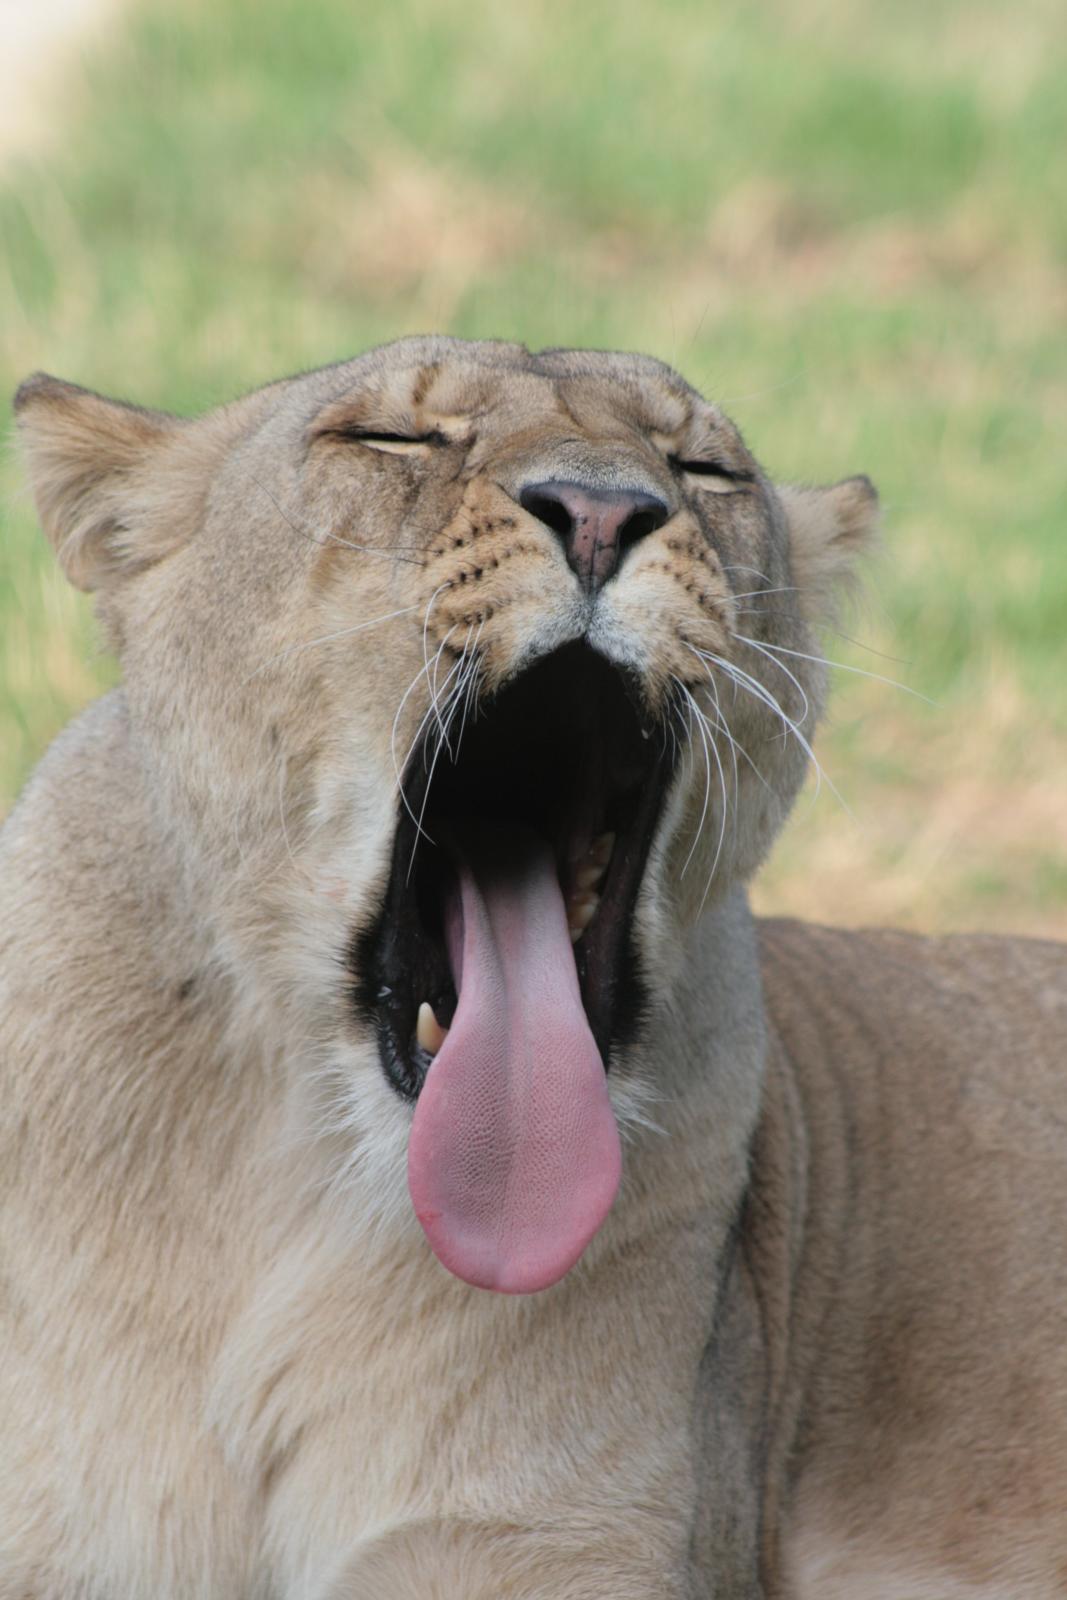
(566, 750)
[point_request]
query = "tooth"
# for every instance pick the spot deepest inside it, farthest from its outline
(581, 911)
(589, 876)
(429, 1034)
(601, 848)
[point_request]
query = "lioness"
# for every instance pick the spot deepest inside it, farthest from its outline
(383, 942)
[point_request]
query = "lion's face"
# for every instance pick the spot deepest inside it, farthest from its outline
(465, 679)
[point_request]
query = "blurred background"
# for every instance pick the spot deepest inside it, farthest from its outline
(845, 221)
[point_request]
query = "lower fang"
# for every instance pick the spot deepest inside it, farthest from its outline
(580, 913)
(588, 877)
(429, 1034)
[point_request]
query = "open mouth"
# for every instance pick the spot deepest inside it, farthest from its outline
(501, 971)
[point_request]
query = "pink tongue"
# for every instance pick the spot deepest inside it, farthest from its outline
(514, 1160)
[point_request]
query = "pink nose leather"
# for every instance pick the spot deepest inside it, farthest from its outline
(596, 525)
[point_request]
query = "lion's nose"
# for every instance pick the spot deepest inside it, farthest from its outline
(597, 526)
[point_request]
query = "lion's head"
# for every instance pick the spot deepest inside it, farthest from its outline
(462, 680)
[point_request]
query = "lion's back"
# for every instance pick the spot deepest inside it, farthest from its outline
(968, 999)
(932, 1073)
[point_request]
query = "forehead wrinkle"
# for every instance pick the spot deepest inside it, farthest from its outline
(424, 380)
(565, 407)
(666, 409)
(594, 404)
(592, 392)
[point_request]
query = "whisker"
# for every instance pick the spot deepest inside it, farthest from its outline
(431, 713)
(739, 748)
(713, 743)
(425, 645)
(309, 644)
(471, 684)
(823, 627)
(673, 710)
(420, 832)
(443, 719)
(454, 697)
(760, 692)
(788, 588)
(722, 823)
(407, 553)
(752, 571)
(392, 742)
(417, 737)
(722, 723)
(743, 639)
(708, 741)
(707, 778)
(843, 666)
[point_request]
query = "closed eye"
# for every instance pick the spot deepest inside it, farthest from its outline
(393, 443)
(713, 476)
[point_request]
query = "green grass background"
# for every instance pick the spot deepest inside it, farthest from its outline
(845, 221)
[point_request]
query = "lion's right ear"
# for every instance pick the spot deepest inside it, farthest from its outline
(98, 471)
(830, 529)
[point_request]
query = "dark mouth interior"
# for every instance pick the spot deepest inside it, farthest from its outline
(564, 752)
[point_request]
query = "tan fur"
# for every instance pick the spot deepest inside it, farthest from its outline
(817, 1348)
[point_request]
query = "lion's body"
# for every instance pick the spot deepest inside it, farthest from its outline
(926, 1317)
(815, 1350)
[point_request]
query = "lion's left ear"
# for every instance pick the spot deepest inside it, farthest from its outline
(829, 530)
(102, 475)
